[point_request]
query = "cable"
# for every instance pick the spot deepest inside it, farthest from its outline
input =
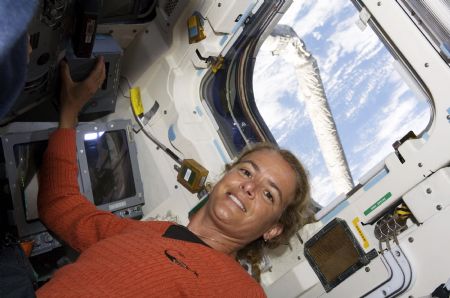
(120, 87)
(138, 111)
(164, 148)
(126, 79)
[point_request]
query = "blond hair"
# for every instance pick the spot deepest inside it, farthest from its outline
(295, 215)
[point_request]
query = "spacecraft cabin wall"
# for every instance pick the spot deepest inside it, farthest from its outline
(158, 59)
(420, 181)
(171, 72)
(167, 69)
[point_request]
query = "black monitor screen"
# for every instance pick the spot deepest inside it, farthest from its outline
(109, 166)
(28, 157)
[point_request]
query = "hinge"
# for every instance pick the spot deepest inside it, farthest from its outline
(364, 16)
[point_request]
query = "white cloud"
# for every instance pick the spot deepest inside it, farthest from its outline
(351, 40)
(291, 15)
(294, 120)
(319, 12)
(319, 192)
(273, 80)
(317, 35)
(384, 124)
(346, 85)
(400, 116)
(360, 82)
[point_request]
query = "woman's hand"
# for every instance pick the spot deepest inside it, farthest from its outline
(74, 95)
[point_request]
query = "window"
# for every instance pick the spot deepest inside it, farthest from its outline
(372, 104)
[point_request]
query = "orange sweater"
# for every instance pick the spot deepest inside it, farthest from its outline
(122, 257)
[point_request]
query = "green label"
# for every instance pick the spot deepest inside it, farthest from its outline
(378, 203)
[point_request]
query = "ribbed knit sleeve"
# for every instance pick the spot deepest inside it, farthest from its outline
(62, 208)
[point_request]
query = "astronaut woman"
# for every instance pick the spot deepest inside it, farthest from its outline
(260, 201)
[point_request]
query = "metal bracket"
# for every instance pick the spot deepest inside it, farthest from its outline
(364, 16)
(400, 275)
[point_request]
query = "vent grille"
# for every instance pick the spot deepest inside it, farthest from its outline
(169, 7)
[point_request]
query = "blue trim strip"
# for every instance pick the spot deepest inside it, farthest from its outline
(199, 111)
(332, 214)
(243, 18)
(223, 40)
(445, 48)
(221, 153)
(375, 180)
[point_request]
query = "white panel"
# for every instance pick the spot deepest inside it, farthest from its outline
(223, 15)
(421, 158)
(430, 196)
(298, 280)
(427, 249)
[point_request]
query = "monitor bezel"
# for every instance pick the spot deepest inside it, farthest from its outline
(24, 227)
(82, 129)
(9, 140)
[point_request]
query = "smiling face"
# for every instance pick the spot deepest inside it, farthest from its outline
(249, 200)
